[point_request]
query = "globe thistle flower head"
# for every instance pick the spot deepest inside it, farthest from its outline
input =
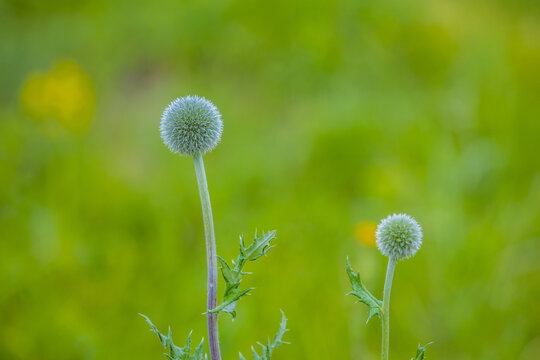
(191, 125)
(399, 236)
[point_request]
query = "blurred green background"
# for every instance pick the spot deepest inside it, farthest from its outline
(336, 114)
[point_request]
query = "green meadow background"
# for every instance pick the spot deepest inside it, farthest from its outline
(336, 114)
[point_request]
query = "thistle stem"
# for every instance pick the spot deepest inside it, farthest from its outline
(386, 308)
(211, 257)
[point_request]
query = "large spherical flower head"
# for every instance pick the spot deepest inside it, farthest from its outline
(399, 236)
(191, 125)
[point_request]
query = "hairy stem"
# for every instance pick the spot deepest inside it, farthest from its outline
(212, 319)
(386, 308)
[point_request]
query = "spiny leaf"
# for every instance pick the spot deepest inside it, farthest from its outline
(228, 304)
(229, 274)
(175, 352)
(267, 350)
(362, 293)
(259, 247)
(233, 275)
(420, 352)
(278, 338)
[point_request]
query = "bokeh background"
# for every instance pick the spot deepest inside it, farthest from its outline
(336, 114)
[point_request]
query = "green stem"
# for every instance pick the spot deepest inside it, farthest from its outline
(211, 257)
(386, 308)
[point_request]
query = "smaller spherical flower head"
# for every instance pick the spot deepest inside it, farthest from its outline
(191, 125)
(399, 236)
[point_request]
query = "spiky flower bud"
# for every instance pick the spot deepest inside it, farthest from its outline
(399, 236)
(191, 125)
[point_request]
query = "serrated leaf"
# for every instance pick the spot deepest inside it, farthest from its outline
(175, 352)
(267, 350)
(278, 338)
(228, 304)
(233, 275)
(161, 337)
(420, 352)
(259, 247)
(229, 274)
(362, 293)
(198, 353)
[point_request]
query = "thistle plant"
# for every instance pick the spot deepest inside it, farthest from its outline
(399, 237)
(192, 126)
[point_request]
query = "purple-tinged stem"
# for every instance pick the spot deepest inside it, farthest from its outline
(211, 257)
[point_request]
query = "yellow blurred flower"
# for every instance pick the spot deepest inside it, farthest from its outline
(64, 94)
(365, 232)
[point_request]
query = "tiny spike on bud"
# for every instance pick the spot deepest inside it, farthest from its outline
(191, 125)
(399, 236)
